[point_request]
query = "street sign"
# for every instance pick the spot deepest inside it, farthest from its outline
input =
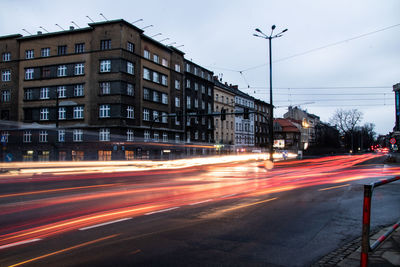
(9, 157)
(3, 140)
(392, 141)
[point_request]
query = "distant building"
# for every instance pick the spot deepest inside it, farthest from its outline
(396, 89)
(308, 123)
(244, 124)
(286, 135)
(261, 123)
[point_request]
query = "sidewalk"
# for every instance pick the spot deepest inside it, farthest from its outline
(387, 254)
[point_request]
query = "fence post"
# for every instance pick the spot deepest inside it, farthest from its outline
(365, 248)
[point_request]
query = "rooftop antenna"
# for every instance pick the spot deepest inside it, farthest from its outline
(27, 31)
(156, 35)
(171, 44)
(90, 19)
(148, 26)
(101, 14)
(165, 39)
(60, 27)
(43, 29)
(137, 21)
(179, 46)
(75, 24)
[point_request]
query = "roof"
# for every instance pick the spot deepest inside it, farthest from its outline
(287, 125)
(11, 36)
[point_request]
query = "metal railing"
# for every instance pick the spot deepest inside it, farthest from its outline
(365, 241)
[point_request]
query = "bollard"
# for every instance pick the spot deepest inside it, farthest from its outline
(366, 224)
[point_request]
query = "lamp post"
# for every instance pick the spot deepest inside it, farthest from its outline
(271, 114)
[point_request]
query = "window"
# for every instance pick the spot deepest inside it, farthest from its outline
(177, 68)
(105, 88)
(196, 103)
(177, 84)
(104, 134)
(62, 113)
(27, 137)
(146, 135)
(156, 59)
(196, 86)
(78, 90)
(29, 54)
(164, 62)
(46, 72)
(146, 114)
(177, 138)
(77, 135)
(61, 91)
(146, 74)
(105, 65)
(78, 112)
(187, 67)
(44, 114)
(203, 136)
(79, 69)
(104, 111)
(196, 135)
(177, 102)
(44, 93)
(156, 77)
(105, 44)
(164, 118)
(146, 54)
(6, 56)
(156, 136)
(129, 67)
(156, 118)
(62, 71)
(196, 72)
(165, 137)
(187, 83)
(130, 112)
(45, 52)
(130, 47)
(6, 75)
(146, 94)
(203, 104)
(209, 91)
(156, 96)
(28, 94)
(129, 135)
(61, 50)
(209, 108)
(188, 121)
(164, 80)
(61, 135)
(5, 96)
(188, 104)
(203, 89)
(43, 136)
(129, 89)
(29, 74)
(79, 48)
(164, 98)
(177, 122)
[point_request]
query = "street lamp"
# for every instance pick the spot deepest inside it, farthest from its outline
(271, 114)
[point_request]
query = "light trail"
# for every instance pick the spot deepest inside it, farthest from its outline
(232, 178)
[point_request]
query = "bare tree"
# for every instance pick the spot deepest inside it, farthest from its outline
(347, 121)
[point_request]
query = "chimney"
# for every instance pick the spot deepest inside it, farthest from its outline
(235, 86)
(71, 28)
(39, 32)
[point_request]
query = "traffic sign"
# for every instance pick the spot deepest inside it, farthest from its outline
(392, 141)
(9, 157)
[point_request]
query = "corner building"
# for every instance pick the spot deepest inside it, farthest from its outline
(101, 92)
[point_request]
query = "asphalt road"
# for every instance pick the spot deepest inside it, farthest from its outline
(232, 214)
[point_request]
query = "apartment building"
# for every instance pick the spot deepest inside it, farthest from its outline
(244, 122)
(103, 92)
(261, 123)
(224, 102)
(199, 101)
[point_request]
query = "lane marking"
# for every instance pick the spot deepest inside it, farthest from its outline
(333, 187)
(250, 204)
(102, 224)
(64, 250)
(204, 201)
(231, 195)
(20, 243)
(159, 211)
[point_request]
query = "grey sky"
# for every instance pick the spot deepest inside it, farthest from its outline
(218, 35)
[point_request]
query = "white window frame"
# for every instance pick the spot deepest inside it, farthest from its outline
(164, 62)
(156, 58)
(77, 135)
(146, 94)
(177, 84)
(45, 52)
(188, 103)
(130, 112)
(130, 135)
(156, 117)
(61, 91)
(29, 73)
(27, 137)
(61, 135)
(177, 68)
(156, 136)
(44, 114)
(6, 75)
(5, 96)
(177, 102)
(28, 94)
(62, 113)
(61, 71)
(29, 54)
(43, 136)
(164, 98)
(104, 111)
(78, 112)
(105, 65)
(129, 89)
(78, 90)
(156, 77)
(146, 114)
(164, 117)
(156, 96)
(146, 74)
(105, 88)
(129, 67)
(6, 56)
(146, 135)
(165, 137)
(79, 69)
(146, 54)
(104, 134)
(44, 93)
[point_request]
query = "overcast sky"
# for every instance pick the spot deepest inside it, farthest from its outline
(357, 73)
